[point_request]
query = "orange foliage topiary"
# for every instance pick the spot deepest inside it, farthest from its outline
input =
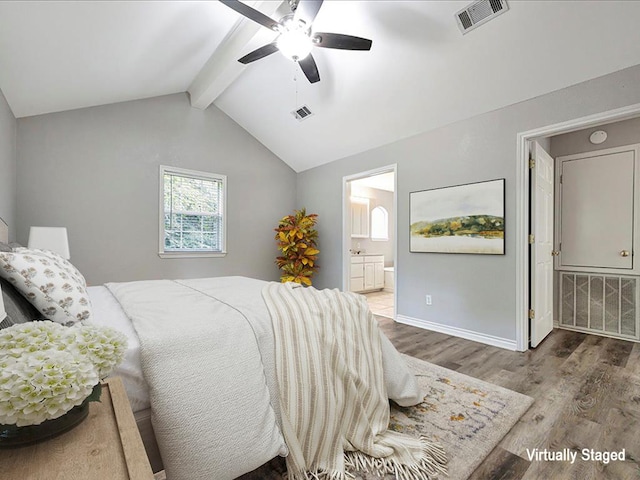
(297, 241)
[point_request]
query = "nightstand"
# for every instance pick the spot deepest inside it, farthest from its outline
(105, 446)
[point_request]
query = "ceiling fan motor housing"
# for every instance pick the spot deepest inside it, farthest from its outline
(296, 38)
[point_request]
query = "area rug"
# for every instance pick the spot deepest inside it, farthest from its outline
(468, 417)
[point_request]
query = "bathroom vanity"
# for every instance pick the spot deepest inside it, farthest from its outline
(367, 273)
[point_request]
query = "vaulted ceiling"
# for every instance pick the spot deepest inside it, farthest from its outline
(421, 72)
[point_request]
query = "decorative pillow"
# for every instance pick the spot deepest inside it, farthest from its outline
(63, 263)
(5, 247)
(50, 285)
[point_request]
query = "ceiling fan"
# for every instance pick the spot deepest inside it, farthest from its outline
(296, 37)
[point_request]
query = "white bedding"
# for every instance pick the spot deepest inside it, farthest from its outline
(165, 314)
(207, 355)
(107, 311)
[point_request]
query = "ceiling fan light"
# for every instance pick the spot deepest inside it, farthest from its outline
(294, 44)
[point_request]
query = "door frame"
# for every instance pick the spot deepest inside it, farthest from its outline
(346, 227)
(522, 203)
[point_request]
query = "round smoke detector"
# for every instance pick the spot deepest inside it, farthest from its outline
(598, 137)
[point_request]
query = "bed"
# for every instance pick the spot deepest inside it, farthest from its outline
(238, 342)
(242, 335)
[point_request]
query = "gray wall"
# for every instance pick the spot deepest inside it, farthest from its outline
(473, 292)
(376, 198)
(7, 166)
(545, 143)
(95, 171)
(619, 134)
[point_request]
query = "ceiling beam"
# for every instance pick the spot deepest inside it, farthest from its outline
(223, 67)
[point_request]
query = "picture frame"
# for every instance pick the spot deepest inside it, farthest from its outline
(466, 218)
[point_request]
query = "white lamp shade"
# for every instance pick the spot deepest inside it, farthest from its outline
(3, 313)
(50, 238)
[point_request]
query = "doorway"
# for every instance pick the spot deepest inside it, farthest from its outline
(527, 281)
(369, 242)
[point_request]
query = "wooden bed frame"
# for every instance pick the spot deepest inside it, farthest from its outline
(143, 420)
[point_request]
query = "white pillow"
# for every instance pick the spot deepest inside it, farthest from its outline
(50, 283)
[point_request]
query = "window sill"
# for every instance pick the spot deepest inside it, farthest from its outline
(192, 254)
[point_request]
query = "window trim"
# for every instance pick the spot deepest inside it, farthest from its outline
(192, 174)
(385, 212)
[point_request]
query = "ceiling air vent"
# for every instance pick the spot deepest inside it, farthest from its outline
(480, 12)
(302, 113)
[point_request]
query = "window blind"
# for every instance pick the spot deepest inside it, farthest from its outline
(193, 213)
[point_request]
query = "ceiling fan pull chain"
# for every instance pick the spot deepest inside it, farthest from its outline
(295, 82)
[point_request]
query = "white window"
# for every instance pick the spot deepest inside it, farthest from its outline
(379, 224)
(192, 213)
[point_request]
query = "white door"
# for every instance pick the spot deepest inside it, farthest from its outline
(597, 211)
(541, 250)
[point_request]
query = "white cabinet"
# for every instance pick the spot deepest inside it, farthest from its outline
(378, 275)
(367, 273)
(368, 276)
(597, 211)
(359, 217)
(356, 281)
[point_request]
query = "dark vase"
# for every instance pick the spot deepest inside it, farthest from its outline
(12, 436)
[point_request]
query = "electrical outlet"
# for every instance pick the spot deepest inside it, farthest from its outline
(427, 299)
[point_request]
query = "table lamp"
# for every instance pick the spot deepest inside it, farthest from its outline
(50, 238)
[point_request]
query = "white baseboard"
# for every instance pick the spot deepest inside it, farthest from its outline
(458, 332)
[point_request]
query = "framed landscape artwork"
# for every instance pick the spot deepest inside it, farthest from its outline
(459, 219)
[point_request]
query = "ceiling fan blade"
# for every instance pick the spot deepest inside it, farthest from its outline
(310, 69)
(251, 13)
(343, 42)
(259, 53)
(307, 10)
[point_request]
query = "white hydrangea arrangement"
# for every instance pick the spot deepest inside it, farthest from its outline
(46, 369)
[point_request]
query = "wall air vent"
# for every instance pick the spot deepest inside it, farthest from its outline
(602, 304)
(302, 113)
(480, 12)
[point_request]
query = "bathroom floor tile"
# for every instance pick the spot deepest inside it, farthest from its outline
(380, 303)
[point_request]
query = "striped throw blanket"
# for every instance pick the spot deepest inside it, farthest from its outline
(335, 410)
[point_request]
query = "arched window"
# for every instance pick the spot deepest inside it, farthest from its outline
(379, 224)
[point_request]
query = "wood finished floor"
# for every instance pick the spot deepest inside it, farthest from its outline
(586, 390)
